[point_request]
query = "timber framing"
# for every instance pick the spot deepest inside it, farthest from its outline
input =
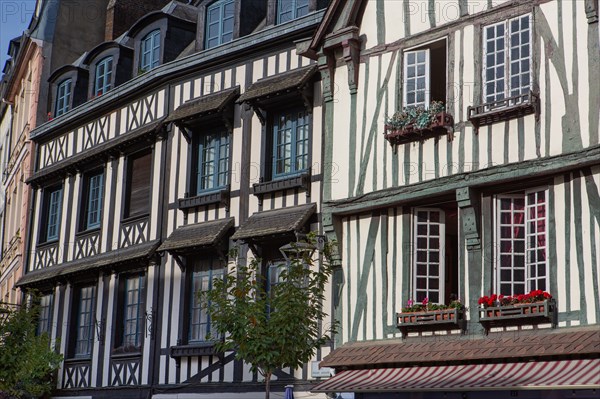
(487, 177)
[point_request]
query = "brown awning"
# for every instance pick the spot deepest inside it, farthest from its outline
(199, 235)
(278, 84)
(551, 374)
(117, 257)
(581, 341)
(204, 106)
(275, 222)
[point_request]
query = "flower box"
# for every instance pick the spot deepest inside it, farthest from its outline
(441, 123)
(431, 320)
(518, 314)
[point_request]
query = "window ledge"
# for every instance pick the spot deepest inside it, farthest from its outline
(88, 232)
(519, 314)
(215, 197)
(442, 123)
(47, 244)
(118, 354)
(301, 180)
(78, 360)
(503, 110)
(433, 320)
(196, 349)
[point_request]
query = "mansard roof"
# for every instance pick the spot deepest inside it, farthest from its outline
(111, 259)
(275, 222)
(174, 9)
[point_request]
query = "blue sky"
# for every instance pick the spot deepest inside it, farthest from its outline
(14, 18)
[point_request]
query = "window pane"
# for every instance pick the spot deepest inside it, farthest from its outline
(428, 236)
(290, 143)
(83, 342)
(133, 311)
(139, 179)
(203, 274)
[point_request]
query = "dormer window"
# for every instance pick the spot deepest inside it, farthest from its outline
(103, 79)
(219, 23)
(63, 97)
(150, 51)
(288, 10)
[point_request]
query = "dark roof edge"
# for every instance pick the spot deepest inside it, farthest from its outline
(174, 69)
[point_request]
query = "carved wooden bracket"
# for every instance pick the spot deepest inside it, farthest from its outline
(351, 54)
(468, 202)
(326, 66)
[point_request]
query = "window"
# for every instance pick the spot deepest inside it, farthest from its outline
(150, 51)
(52, 214)
(219, 23)
(203, 274)
(93, 190)
(103, 82)
(507, 62)
(521, 242)
(435, 260)
(212, 161)
(425, 75)
(63, 97)
(290, 142)
(84, 321)
(45, 317)
(133, 311)
(139, 172)
(288, 10)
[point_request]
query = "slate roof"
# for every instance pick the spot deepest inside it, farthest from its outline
(496, 346)
(99, 150)
(197, 235)
(202, 106)
(111, 258)
(275, 222)
(274, 85)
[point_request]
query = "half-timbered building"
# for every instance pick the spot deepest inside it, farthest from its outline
(461, 154)
(197, 129)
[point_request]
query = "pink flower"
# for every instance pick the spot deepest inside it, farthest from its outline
(425, 301)
(410, 302)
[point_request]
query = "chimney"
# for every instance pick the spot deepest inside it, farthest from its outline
(121, 14)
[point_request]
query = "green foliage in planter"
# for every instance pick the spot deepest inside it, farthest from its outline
(417, 117)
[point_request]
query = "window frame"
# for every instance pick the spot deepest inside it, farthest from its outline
(216, 269)
(527, 264)
(126, 209)
(197, 176)
(139, 305)
(441, 256)
(154, 37)
(46, 306)
(507, 60)
(48, 197)
(107, 63)
(63, 97)
(86, 201)
(76, 326)
(294, 10)
(221, 5)
(293, 143)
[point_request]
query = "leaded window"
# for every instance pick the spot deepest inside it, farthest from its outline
(133, 315)
(288, 10)
(290, 142)
(203, 275)
(53, 213)
(507, 59)
(428, 264)
(219, 23)
(84, 319)
(95, 185)
(150, 51)
(63, 97)
(45, 316)
(522, 263)
(212, 168)
(103, 81)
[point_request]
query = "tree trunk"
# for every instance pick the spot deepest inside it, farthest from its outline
(267, 384)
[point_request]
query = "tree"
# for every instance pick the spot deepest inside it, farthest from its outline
(276, 328)
(27, 362)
